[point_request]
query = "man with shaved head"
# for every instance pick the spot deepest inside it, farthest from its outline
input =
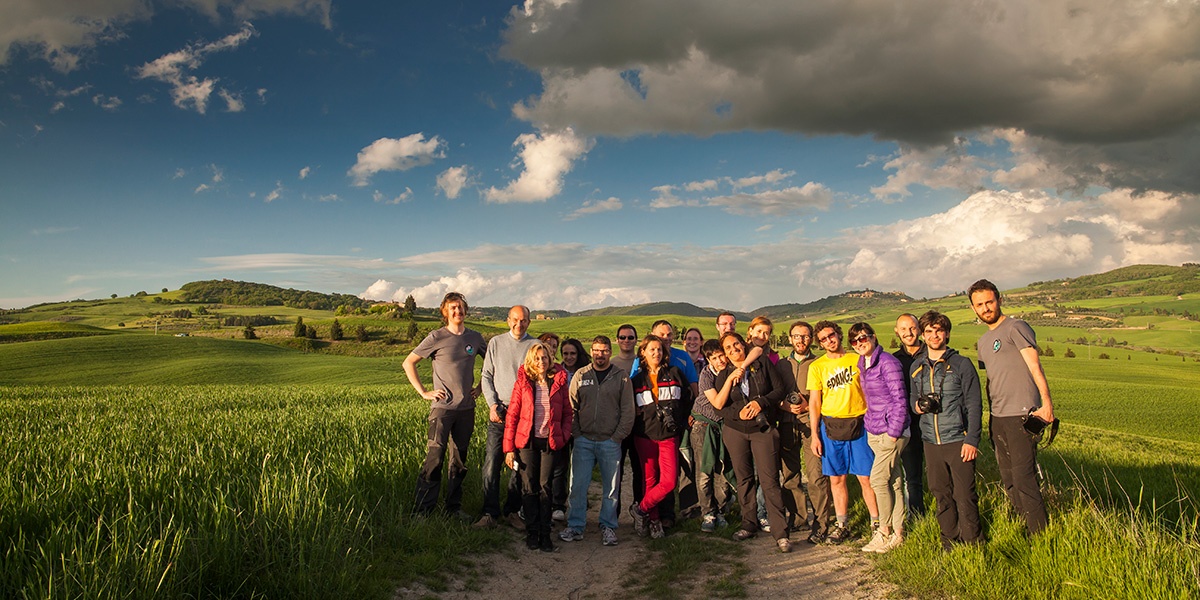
(505, 355)
(913, 455)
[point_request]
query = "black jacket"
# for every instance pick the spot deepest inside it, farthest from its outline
(764, 384)
(666, 417)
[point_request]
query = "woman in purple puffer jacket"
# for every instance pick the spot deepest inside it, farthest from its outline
(887, 433)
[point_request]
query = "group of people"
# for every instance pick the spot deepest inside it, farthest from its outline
(730, 412)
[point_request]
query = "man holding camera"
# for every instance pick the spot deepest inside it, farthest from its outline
(505, 355)
(945, 389)
(795, 439)
(1018, 391)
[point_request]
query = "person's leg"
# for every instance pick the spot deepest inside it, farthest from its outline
(583, 459)
(663, 465)
(647, 453)
(608, 455)
(1025, 488)
(962, 477)
(560, 476)
(493, 461)
(817, 487)
(531, 475)
(861, 461)
(887, 458)
(740, 455)
(790, 442)
(429, 478)
(461, 429)
(913, 458)
(550, 459)
(685, 490)
(701, 455)
(941, 487)
(764, 447)
(899, 506)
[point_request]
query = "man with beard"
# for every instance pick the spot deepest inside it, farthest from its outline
(794, 440)
(1016, 386)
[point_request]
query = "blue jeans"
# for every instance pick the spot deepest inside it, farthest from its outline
(493, 460)
(587, 454)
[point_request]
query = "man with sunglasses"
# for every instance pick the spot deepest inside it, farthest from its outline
(836, 406)
(627, 339)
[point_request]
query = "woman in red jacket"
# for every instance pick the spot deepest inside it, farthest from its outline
(537, 427)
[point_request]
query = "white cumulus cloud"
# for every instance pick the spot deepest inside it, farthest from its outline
(389, 154)
(452, 181)
(546, 157)
(592, 207)
(383, 199)
(188, 90)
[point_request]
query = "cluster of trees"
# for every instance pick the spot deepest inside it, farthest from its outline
(244, 293)
(249, 321)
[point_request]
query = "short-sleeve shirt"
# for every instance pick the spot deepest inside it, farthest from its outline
(703, 407)
(841, 390)
(453, 360)
(1010, 384)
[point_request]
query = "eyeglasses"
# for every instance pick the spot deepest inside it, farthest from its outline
(627, 338)
(830, 337)
(862, 338)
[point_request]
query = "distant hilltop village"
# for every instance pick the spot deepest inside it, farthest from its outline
(870, 293)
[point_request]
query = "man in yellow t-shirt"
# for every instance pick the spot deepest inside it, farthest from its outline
(837, 404)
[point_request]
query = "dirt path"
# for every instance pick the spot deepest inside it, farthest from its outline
(587, 569)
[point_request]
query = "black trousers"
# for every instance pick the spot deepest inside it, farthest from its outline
(794, 441)
(952, 483)
(537, 474)
(913, 459)
(449, 436)
(757, 453)
(1016, 454)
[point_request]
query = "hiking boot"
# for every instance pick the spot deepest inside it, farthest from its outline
(709, 524)
(742, 535)
(893, 542)
(485, 522)
(640, 520)
(784, 545)
(531, 541)
(656, 530)
(570, 534)
(609, 536)
(837, 534)
(878, 541)
(721, 522)
(515, 520)
(559, 516)
(817, 537)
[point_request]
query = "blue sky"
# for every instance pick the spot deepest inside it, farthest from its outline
(574, 154)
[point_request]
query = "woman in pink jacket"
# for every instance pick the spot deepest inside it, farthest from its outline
(536, 431)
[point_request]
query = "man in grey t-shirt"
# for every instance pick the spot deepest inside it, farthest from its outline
(1016, 384)
(451, 351)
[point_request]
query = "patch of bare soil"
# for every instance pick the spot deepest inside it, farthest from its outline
(587, 569)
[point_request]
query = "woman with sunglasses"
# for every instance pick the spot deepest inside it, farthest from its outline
(886, 423)
(750, 389)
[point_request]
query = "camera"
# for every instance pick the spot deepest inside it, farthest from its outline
(794, 399)
(666, 414)
(502, 411)
(930, 404)
(761, 419)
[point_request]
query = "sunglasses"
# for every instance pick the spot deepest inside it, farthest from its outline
(860, 339)
(626, 338)
(832, 336)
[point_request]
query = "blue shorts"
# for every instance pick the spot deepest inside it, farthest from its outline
(854, 457)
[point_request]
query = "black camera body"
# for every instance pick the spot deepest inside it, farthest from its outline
(666, 414)
(930, 404)
(502, 411)
(794, 399)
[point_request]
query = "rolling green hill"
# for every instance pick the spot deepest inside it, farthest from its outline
(167, 360)
(47, 330)
(658, 308)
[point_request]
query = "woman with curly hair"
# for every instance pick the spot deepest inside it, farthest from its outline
(536, 431)
(661, 393)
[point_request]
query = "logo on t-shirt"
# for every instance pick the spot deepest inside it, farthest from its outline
(470, 350)
(996, 346)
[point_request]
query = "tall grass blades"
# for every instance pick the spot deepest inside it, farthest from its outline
(216, 491)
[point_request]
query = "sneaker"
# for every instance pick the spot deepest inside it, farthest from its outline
(559, 515)
(640, 520)
(893, 542)
(837, 534)
(570, 534)
(485, 522)
(764, 526)
(742, 535)
(784, 545)
(656, 530)
(878, 541)
(817, 537)
(721, 522)
(709, 524)
(609, 536)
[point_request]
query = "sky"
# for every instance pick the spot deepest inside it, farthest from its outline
(573, 154)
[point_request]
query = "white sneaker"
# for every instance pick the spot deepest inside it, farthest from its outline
(558, 515)
(893, 542)
(877, 543)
